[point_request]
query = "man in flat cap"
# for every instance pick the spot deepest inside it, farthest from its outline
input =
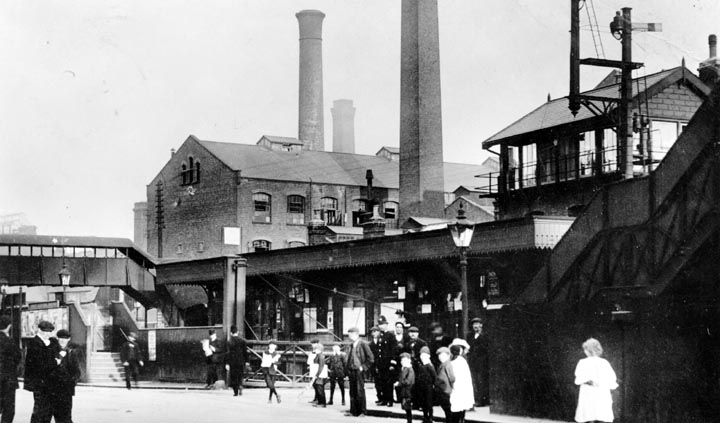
(10, 357)
(360, 359)
(131, 357)
(64, 378)
(478, 362)
(416, 344)
(39, 365)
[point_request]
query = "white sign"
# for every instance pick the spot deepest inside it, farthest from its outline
(354, 316)
(152, 345)
(231, 236)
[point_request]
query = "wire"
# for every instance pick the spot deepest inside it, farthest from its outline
(597, 51)
(602, 48)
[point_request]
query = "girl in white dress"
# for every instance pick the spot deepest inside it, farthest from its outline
(596, 379)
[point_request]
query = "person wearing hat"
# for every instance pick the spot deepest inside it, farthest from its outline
(336, 372)
(400, 343)
(64, 378)
(444, 382)
(478, 361)
(461, 397)
(360, 359)
(10, 356)
(386, 364)
(235, 357)
(213, 359)
(377, 346)
(131, 358)
(437, 340)
(405, 384)
(39, 364)
(424, 382)
(414, 346)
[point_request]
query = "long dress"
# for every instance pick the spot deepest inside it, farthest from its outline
(595, 401)
(461, 397)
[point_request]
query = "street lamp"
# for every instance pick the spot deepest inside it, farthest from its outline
(64, 275)
(462, 232)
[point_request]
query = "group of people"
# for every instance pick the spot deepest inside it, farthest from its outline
(225, 357)
(406, 369)
(52, 370)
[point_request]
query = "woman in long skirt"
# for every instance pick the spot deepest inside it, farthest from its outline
(268, 365)
(596, 379)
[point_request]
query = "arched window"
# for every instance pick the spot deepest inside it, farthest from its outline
(197, 172)
(295, 244)
(261, 245)
(183, 174)
(391, 210)
(262, 204)
(329, 211)
(295, 210)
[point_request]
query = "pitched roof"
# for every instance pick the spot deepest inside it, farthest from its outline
(254, 161)
(393, 150)
(555, 113)
(281, 140)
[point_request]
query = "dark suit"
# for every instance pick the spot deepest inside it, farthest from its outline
(10, 357)
(63, 381)
(235, 357)
(379, 370)
(444, 386)
(425, 382)
(39, 365)
(213, 373)
(415, 347)
(360, 359)
(478, 363)
(130, 353)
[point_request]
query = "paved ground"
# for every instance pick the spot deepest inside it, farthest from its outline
(177, 405)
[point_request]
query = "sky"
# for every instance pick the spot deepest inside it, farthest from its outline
(93, 95)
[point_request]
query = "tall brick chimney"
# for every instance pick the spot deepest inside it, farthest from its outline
(140, 226)
(710, 69)
(310, 107)
(343, 114)
(421, 150)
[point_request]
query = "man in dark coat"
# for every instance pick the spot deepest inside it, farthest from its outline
(437, 341)
(478, 362)
(415, 346)
(131, 357)
(10, 357)
(376, 346)
(387, 365)
(360, 359)
(235, 357)
(400, 343)
(213, 357)
(64, 378)
(39, 365)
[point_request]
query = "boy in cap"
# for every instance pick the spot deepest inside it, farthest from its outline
(64, 378)
(336, 372)
(10, 357)
(319, 372)
(444, 381)
(39, 364)
(414, 346)
(405, 383)
(131, 357)
(425, 381)
(360, 359)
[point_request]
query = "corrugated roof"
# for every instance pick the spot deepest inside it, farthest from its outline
(253, 161)
(556, 112)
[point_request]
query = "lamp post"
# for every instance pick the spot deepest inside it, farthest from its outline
(462, 232)
(64, 276)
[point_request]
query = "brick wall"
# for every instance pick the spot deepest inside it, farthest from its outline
(674, 103)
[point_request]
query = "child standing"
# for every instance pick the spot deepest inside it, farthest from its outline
(404, 385)
(596, 379)
(319, 372)
(270, 358)
(425, 383)
(336, 372)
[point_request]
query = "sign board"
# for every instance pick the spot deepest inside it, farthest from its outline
(231, 235)
(30, 319)
(354, 316)
(152, 345)
(493, 284)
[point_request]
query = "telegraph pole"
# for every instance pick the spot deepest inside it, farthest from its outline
(625, 132)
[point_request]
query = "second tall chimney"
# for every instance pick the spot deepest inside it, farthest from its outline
(709, 69)
(310, 107)
(343, 114)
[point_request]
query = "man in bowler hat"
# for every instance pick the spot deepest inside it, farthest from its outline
(131, 357)
(478, 362)
(64, 378)
(39, 365)
(10, 357)
(360, 359)
(235, 357)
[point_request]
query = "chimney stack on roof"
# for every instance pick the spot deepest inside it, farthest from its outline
(710, 69)
(343, 114)
(421, 151)
(310, 107)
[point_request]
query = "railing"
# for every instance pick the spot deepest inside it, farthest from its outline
(555, 169)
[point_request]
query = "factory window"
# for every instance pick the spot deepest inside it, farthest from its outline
(184, 174)
(261, 245)
(263, 208)
(197, 172)
(295, 244)
(190, 173)
(179, 249)
(295, 210)
(360, 208)
(329, 211)
(391, 210)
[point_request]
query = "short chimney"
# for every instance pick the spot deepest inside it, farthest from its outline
(375, 226)
(710, 69)
(317, 231)
(343, 114)
(310, 105)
